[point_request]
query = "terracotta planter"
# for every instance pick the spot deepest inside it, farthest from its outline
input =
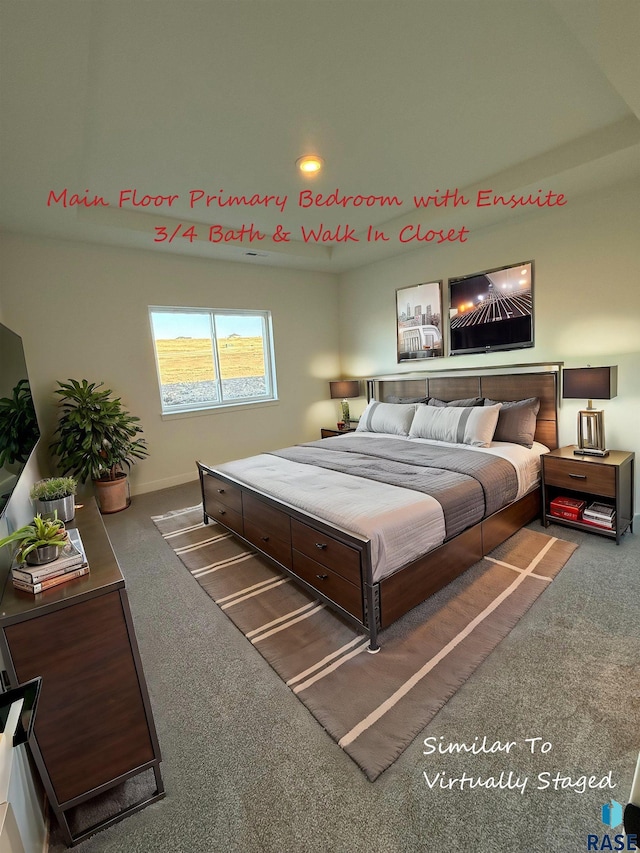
(112, 495)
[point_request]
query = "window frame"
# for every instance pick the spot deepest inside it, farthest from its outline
(271, 393)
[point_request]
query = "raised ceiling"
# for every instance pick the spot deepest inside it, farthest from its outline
(401, 99)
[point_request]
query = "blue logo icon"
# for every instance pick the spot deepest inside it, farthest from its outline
(612, 814)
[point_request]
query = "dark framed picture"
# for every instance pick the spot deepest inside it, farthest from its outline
(419, 318)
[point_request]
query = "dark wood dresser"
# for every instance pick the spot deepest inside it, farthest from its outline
(94, 727)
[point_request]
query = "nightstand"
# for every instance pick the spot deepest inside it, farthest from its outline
(327, 432)
(608, 479)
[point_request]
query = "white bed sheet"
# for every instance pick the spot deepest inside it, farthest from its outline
(401, 524)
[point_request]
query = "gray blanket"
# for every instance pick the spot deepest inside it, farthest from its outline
(468, 485)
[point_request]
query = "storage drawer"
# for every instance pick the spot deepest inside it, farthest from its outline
(220, 490)
(222, 513)
(265, 541)
(269, 519)
(326, 550)
(581, 476)
(335, 587)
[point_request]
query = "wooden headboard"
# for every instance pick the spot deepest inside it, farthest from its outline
(494, 386)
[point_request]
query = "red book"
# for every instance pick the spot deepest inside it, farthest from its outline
(565, 513)
(570, 508)
(603, 525)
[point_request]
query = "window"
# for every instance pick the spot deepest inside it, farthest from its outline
(208, 359)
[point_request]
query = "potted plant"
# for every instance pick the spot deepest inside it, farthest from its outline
(55, 495)
(39, 542)
(97, 438)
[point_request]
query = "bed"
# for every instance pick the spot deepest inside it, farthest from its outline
(376, 521)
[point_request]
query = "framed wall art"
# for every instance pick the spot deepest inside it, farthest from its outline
(419, 321)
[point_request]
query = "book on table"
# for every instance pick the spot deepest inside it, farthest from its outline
(70, 561)
(600, 515)
(600, 510)
(50, 582)
(604, 525)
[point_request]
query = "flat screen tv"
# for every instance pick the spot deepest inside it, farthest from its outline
(491, 310)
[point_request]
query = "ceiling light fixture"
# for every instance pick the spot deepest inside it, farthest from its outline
(310, 164)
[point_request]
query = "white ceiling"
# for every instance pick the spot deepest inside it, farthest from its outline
(399, 98)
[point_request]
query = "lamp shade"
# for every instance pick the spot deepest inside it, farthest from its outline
(590, 383)
(344, 388)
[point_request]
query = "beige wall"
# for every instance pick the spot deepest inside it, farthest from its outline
(82, 311)
(92, 301)
(587, 299)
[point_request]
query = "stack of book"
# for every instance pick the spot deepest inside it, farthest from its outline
(571, 508)
(600, 515)
(71, 563)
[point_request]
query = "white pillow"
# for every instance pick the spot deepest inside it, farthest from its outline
(473, 425)
(393, 418)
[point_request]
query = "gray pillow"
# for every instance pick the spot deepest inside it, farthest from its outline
(406, 399)
(517, 421)
(472, 401)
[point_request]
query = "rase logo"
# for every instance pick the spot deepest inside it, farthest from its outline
(611, 815)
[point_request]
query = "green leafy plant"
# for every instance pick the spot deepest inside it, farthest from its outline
(96, 437)
(53, 488)
(18, 425)
(41, 532)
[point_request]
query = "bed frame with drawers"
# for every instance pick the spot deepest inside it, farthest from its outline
(335, 564)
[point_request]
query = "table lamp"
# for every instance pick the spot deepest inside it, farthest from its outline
(590, 383)
(342, 389)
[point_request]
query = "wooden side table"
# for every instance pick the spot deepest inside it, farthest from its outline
(327, 432)
(609, 479)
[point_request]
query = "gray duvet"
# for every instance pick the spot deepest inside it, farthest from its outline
(468, 485)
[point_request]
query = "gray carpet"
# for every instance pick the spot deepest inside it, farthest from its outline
(248, 769)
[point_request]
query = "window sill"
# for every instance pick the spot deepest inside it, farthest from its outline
(216, 410)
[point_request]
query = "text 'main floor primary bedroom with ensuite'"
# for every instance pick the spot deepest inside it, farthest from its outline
(322, 320)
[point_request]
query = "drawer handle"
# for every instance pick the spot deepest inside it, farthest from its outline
(223, 512)
(265, 538)
(221, 491)
(321, 545)
(322, 577)
(578, 476)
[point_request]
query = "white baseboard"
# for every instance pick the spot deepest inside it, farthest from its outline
(165, 483)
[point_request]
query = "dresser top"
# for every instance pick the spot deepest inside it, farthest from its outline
(104, 574)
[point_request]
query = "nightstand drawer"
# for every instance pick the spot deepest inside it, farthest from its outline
(580, 476)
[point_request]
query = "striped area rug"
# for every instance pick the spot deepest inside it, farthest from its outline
(372, 705)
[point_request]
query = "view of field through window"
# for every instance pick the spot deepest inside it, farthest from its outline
(191, 359)
(187, 364)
